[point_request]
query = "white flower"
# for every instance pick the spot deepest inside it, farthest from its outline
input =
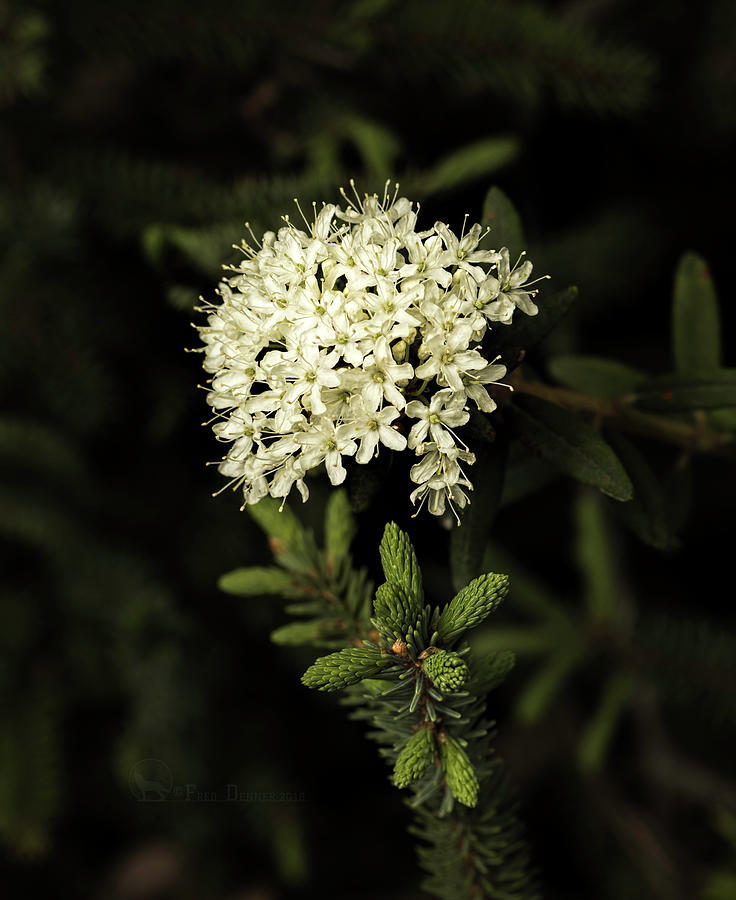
(446, 410)
(504, 292)
(355, 333)
(373, 427)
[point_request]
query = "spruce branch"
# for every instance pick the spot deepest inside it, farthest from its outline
(427, 709)
(408, 673)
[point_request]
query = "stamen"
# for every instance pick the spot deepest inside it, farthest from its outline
(302, 214)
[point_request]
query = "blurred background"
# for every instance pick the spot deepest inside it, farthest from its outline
(136, 139)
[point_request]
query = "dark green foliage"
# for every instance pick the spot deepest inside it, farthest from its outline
(606, 378)
(675, 393)
(427, 709)
(572, 445)
(648, 513)
(477, 852)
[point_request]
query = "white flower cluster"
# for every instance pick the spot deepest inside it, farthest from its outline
(357, 333)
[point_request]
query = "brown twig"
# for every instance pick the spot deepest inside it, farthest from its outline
(697, 438)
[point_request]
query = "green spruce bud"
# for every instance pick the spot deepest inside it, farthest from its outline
(416, 755)
(446, 670)
(472, 605)
(348, 666)
(458, 771)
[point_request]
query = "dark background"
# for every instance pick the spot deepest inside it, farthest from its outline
(135, 140)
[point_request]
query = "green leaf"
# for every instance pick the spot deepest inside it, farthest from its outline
(696, 326)
(574, 446)
(606, 378)
(339, 529)
(468, 542)
(254, 581)
(400, 565)
(600, 729)
(413, 760)
(500, 215)
(472, 605)
(458, 771)
(280, 524)
(474, 161)
(312, 632)
(675, 393)
(346, 667)
(648, 513)
(377, 146)
(526, 331)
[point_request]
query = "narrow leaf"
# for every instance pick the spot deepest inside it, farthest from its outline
(696, 327)
(312, 632)
(500, 215)
(574, 446)
(673, 393)
(339, 528)
(606, 378)
(252, 582)
(477, 159)
(648, 513)
(280, 524)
